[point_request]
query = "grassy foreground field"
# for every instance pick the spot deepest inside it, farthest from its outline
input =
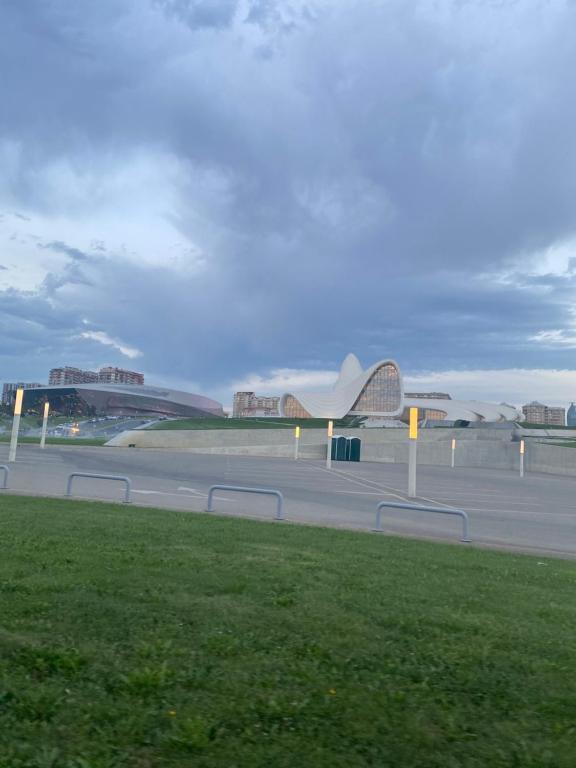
(142, 638)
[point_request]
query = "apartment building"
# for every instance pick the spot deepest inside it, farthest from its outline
(538, 413)
(249, 404)
(67, 375)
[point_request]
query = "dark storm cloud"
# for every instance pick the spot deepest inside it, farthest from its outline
(59, 247)
(201, 13)
(353, 172)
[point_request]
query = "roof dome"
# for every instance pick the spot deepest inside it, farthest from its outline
(349, 371)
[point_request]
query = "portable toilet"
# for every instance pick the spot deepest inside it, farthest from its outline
(338, 448)
(354, 445)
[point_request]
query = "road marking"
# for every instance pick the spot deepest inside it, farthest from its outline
(509, 500)
(191, 490)
(157, 493)
(178, 495)
(389, 490)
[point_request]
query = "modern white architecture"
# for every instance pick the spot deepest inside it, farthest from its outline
(378, 392)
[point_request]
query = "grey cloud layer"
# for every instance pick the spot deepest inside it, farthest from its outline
(352, 172)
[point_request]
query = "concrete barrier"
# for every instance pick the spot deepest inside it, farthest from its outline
(550, 459)
(240, 442)
(487, 448)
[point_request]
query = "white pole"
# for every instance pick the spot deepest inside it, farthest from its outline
(453, 460)
(296, 442)
(16, 424)
(44, 425)
(412, 448)
(412, 468)
(522, 449)
(329, 432)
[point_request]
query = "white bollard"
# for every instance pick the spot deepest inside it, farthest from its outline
(296, 442)
(522, 449)
(44, 425)
(16, 424)
(329, 433)
(453, 458)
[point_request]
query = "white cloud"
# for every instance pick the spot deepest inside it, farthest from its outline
(282, 380)
(555, 338)
(103, 338)
(516, 385)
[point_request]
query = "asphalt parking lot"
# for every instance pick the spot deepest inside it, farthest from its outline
(534, 513)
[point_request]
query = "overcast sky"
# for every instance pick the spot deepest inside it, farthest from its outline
(228, 193)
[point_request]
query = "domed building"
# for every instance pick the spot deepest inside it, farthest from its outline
(120, 400)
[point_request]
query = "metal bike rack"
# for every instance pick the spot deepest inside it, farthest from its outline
(265, 491)
(419, 508)
(6, 473)
(120, 478)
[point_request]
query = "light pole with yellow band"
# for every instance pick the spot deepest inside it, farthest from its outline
(45, 425)
(16, 424)
(296, 442)
(329, 433)
(412, 443)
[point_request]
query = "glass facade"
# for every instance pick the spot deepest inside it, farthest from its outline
(294, 410)
(382, 393)
(73, 401)
(432, 413)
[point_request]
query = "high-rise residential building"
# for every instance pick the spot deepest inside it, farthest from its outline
(571, 416)
(538, 413)
(68, 375)
(557, 416)
(9, 390)
(249, 404)
(111, 375)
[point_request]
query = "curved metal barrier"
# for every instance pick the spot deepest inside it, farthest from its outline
(6, 473)
(120, 478)
(266, 491)
(419, 508)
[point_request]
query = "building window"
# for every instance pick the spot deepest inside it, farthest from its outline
(294, 410)
(382, 393)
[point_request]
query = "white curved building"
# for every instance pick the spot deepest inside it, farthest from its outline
(378, 392)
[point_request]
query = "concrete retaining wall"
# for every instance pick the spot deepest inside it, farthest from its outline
(551, 459)
(487, 448)
(250, 442)
(475, 447)
(490, 454)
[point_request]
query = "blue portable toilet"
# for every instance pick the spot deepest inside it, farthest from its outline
(353, 448)
(339, 448)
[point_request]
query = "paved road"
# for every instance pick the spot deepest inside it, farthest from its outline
(535, 513)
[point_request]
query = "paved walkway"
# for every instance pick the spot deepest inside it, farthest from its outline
(536, 513)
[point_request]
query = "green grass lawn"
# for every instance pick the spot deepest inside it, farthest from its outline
(252, 423)
(57, 441)
(527, 425)
(143, 638)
